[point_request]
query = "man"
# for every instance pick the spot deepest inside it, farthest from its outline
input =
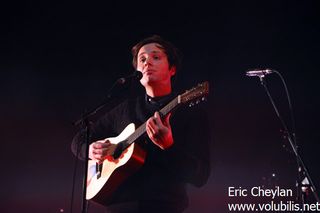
(177, 146)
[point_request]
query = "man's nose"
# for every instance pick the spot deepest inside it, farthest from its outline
(148, 61)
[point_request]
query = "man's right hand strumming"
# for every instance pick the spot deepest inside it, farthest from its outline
(99, 150)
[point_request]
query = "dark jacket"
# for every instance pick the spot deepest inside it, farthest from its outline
(164, 175)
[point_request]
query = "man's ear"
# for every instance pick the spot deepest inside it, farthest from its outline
(173, 70)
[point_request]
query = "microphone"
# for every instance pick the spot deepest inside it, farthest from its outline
(136, 76)
(259, 73)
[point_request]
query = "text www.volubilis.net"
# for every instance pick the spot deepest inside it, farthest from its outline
(288, 206)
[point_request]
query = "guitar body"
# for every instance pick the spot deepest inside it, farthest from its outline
(102, 182)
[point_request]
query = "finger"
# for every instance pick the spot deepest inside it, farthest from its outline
(103, 151)
(96, 145)
(98, 157)
(106, 141)
(101, 154)
(157, 119)
(151, 135)
(99, 145)
(151, 119)
(149, 132)
(167, 120)
(151, 127)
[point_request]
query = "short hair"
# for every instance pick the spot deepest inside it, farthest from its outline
(173, 54)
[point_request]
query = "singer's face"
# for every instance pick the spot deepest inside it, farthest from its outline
(154, 65)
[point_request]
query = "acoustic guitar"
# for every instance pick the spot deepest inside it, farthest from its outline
(126, 157)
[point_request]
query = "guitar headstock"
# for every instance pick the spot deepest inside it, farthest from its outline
(195, 95)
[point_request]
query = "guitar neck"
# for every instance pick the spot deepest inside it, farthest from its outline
(142, 129)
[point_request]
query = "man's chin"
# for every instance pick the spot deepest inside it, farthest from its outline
(148, 81)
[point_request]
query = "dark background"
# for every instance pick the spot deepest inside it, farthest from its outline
(60, 58)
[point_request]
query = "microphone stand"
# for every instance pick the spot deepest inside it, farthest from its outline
(304, 178)
(85, 122)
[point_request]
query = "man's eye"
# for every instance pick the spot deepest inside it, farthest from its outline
(156, 57)
(142, 60)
